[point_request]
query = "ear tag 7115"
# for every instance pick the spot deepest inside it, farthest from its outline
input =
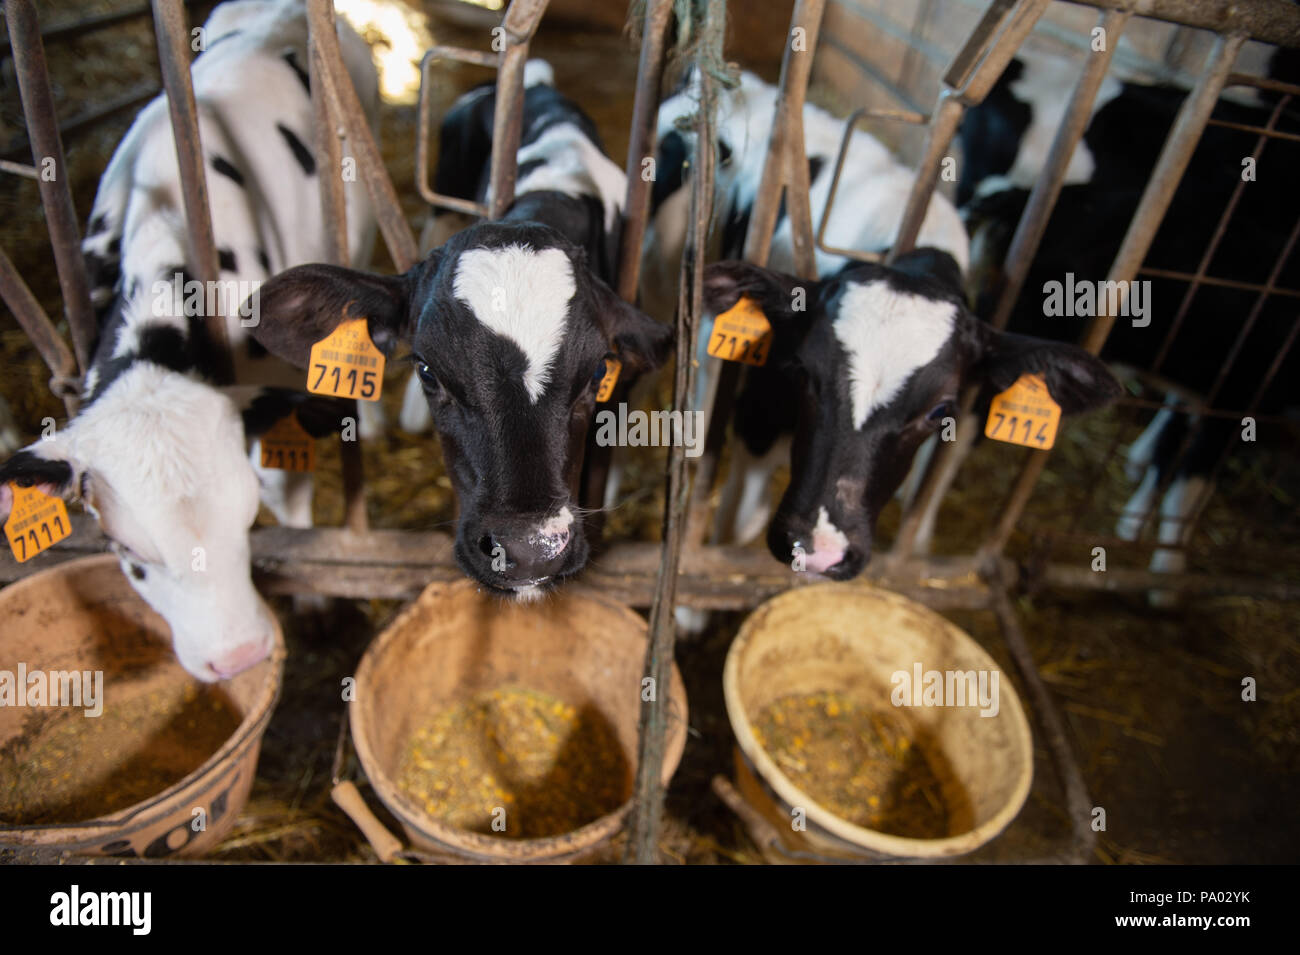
(346, 363)
(287, 446)
(612, 368)
(36, 523)
(742, 333)
(1024, 414)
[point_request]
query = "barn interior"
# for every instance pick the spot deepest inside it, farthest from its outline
(1150, 699)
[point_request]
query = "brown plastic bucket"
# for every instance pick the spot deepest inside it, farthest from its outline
(455, 641)
(83, 615)
(852, 639)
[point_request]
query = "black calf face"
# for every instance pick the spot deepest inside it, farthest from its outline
(509, 332)
(886, 355)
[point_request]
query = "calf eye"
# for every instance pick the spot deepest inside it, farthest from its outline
(427, 378)
(940, 411)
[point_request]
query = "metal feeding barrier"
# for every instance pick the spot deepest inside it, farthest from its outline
(355, 562)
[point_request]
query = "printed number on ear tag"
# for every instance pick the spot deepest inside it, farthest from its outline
(612, 368)
(742, 333)
(346, 364)
(1024, 414)
(36, 523)
(288, 447)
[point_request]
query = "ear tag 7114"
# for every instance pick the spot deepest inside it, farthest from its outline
(742, 333)
(346, 363)
(287, 446)
(37, 522)
(1024, 414)
(612, 368)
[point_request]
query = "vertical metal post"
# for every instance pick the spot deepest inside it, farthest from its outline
(520, 22)
(173, 57)
(56, 192)
(647, 812)
(334, 216)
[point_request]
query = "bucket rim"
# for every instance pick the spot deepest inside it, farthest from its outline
(251, 727)
(771, 775)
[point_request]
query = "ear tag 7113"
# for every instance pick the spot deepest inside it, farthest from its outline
(36, 523)
(287, 446)
(1024, 414)
(612, 368)
(742, 333)
(346, 363)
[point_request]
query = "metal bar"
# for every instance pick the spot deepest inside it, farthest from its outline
(1078, 803)
(334, 216)
(1165, 177)
(520, 22)
(19, 169)
(422, 134)
(1212, 280)
(797, 198)
(44, 336)
(173, 59)
(346, 108)
(1248, 128)
(56, 192)
(642, 143)
(1269, 21)
(644, 825)
(88, 117)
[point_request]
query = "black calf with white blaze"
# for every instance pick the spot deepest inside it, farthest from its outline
(158, 453)
(509, 325)
(877, 360)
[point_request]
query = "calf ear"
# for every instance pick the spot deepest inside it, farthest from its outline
(726, 282)
(300, 306)
(1078, 380)
(641, 343)
(38, 465)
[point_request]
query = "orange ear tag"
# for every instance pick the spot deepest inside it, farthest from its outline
(36, 523)
(288, 447)
(742, 333)
(612, 368)
(346, 364)
(1024, 414)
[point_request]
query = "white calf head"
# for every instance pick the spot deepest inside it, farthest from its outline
(160, 460)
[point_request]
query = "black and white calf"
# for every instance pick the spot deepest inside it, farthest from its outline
(509, 324)
(157, 453)
(869, 206)
(1005, 140)
(877, 361)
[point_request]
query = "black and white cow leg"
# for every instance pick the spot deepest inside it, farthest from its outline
(372, 423)
(746, 505)
(1177, 509)
(415, 417)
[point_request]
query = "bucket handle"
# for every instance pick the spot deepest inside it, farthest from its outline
(348, 798)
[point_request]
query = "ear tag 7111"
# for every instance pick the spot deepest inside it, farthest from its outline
(346, 363)
(37, 522)
(287, 446)
(1024, 414)
(742, 333)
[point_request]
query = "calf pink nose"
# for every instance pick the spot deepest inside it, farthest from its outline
(820, 561)
(240, 659)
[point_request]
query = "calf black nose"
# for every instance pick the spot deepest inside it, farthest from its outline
(527, 559)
